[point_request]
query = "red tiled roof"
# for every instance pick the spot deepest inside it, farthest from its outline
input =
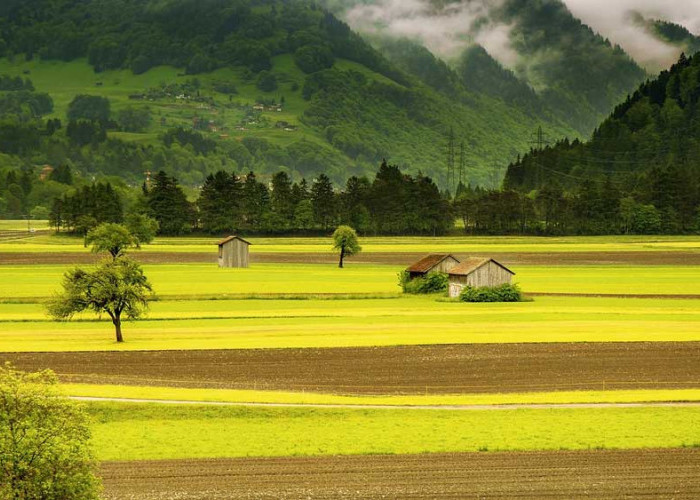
(472, 264)
(231, 238)
(427, 263)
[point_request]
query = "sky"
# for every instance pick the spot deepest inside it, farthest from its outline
(448, 31)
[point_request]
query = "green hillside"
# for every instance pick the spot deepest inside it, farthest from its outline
(264, 85)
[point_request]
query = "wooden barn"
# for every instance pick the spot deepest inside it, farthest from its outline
(438, 263)
(478, 273)
(234, 252)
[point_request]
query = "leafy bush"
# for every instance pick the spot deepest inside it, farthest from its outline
(502, 293)
(431, 283)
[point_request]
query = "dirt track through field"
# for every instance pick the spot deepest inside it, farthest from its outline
(535, 475)
(450, 369)
(496, 407)
(674, 258)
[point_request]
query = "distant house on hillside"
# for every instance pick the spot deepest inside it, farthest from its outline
(234, 252)
(477, 272)
(438, 263)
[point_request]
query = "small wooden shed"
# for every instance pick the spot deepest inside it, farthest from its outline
(437, 263)
(234, 252)
(478, 272)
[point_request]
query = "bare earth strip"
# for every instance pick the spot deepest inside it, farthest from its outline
(448, 369)
(563, 474)
(681, 258)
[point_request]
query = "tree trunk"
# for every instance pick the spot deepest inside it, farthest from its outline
(118, 328)
(342, 256)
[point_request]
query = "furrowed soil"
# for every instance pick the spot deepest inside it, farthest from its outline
(563, 474)
(449, 369)
(679, 258)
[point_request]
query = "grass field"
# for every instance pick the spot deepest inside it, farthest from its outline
(142, 432)
(206, 280)
(344, 323)
(21, 225)
(275, 307)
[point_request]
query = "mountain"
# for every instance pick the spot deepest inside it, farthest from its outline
(672, 33)
(648, 148)
(191, 86)
(552, 65)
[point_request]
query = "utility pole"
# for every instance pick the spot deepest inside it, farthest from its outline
(462, 163)
(451, 161)
(539, 141)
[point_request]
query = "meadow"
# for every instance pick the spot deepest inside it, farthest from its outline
(146, 432)
(259, 324)
(239, 396)
(280, 305)
(382, 244)
(192, 281)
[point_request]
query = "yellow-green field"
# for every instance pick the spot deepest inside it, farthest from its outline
(283, 305)
(372, 322)
(208, 281)
(142, 432)
(312, 398)
(453, 244)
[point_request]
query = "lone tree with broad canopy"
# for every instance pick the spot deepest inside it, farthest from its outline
(345, 240)
(44, 440)
(117, 287)
(114, 239)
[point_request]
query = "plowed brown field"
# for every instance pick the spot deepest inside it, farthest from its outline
(588, 474)
(679, 258)
(446, 369)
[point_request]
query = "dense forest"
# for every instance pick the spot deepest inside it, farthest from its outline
(392, 203)
(641, 168)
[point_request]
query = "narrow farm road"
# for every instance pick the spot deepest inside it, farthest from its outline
(497, 407)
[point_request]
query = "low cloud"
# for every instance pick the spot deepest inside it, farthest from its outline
(614, 19)
(445, 30)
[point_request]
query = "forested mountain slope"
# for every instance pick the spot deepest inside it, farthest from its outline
(195, 85)
(649, 149)
(557, 67)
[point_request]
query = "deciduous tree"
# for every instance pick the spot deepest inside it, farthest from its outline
(118, 287)
(345, 241)
(44, 438)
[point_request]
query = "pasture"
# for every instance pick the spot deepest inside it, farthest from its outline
(193, 281)
(296, 330)
(147, 432)
(274, 324)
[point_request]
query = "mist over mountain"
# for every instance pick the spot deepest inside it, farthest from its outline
(578, 74)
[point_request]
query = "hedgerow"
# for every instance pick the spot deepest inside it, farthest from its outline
(502, 293)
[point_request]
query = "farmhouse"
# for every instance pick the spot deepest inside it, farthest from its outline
(477, 272)
(234, 252)
(437, 263)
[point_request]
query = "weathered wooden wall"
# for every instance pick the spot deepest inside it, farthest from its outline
(445, 266)
(489, 275)
(234, 254)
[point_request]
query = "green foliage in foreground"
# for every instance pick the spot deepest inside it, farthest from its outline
(431, 283)
(502, 293)
(138, 432)
(44, 452)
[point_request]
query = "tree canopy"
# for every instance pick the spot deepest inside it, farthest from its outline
(345, 241)
(44, 441)
(117, 287)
